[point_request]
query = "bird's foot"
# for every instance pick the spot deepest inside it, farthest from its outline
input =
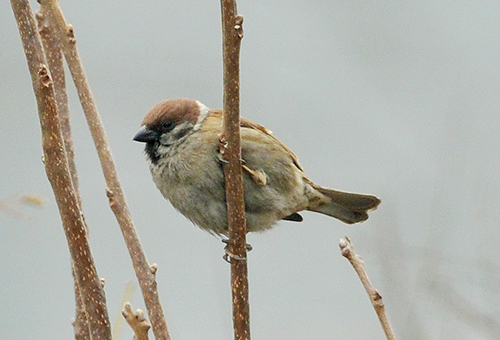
(228, 256)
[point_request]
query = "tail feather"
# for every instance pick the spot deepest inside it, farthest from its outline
(345, 206)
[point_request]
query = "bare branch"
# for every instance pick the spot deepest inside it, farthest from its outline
(58, 173)
(54, 57)
(231, 150)
(53, 54)
(146, 277)
(356, 261)
(137, 322)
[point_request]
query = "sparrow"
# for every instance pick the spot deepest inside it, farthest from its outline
(182, 138)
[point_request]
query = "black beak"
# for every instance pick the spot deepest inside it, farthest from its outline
(144, 135)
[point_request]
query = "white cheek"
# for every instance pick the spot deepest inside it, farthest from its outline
(203, 114)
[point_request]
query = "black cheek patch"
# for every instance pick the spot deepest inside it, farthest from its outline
(181, 133)
(151, 151)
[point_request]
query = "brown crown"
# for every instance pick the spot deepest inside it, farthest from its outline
(176, 110)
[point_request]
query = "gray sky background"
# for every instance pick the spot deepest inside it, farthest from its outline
(394, 98)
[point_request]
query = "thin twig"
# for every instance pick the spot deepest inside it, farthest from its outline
(137, 322)
(231, 149)
(58, 173)
(145, 274)
(54, 57)
(356, 261)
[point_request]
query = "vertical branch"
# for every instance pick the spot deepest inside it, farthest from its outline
(53, 54)
(145, 273)
(232, 32)
(54, 57)
(58, 173)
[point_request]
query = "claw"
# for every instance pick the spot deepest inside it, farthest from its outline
(221, 159)
(228, 256)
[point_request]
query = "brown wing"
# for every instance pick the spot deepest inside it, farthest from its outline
(245, 123)
(248, 124)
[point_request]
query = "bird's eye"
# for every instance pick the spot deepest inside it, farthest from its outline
(167, 126)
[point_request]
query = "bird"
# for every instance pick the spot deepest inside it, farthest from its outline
(182, 144)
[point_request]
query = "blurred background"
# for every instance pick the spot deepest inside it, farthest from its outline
(394, 98)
